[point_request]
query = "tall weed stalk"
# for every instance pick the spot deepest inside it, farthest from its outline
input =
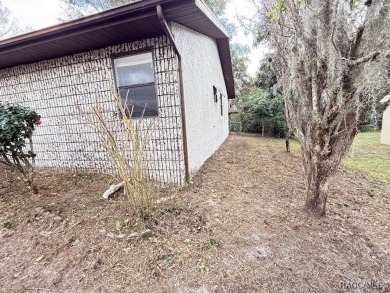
(127, 152)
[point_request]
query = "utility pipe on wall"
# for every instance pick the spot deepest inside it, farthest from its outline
(171, 38)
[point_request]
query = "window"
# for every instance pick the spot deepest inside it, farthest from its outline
(218, 96)
(136, 84)
(221, 97)
(215, 92)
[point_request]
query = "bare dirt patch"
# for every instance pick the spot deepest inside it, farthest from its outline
(237, 228)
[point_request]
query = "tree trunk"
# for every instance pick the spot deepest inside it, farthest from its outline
(33, 187)
(317, 188)
(288, 136)
(29, 178)
(262, 129)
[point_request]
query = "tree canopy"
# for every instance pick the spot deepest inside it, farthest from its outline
(262, 112)
(260, 105)
(8, 25)
(73, 9)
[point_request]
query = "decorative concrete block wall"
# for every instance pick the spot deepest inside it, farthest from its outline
(65, 140)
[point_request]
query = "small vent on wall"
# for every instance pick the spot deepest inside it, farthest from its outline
(218, 96)
(215, 92)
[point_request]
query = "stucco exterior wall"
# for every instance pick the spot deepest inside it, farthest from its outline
(65, 140)
(207, 129)
(385, 135)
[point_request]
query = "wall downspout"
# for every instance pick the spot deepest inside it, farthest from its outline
(171, 38)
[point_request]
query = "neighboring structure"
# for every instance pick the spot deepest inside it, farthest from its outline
(385, 135)
(180, 70)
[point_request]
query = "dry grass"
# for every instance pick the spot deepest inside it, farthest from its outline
(127, 152)
(238, 228)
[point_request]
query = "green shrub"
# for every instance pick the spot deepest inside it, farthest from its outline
(16, 128)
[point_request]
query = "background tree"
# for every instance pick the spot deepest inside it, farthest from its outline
(73, 9)
(262, 112)
(261, 106)
(332, 58)
(218, 6)
(240, 59)
(266, 77)
(239, 51)
(373, 120)
(8, 25)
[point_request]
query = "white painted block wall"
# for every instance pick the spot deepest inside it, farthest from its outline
(207, 129)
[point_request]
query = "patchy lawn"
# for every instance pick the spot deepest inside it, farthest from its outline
(370, 156)
(237, 228)
(367, 154)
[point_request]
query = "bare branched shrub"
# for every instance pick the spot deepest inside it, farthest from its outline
(127, 148)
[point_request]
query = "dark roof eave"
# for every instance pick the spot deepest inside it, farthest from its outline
(62, 39)
(90, 20)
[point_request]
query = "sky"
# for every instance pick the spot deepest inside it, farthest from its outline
(39, 14)
(246, 9)
(35, 13)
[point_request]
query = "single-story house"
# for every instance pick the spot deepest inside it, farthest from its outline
(385, 134)
(172, 56)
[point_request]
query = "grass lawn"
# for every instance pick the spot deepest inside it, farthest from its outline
(370, 156)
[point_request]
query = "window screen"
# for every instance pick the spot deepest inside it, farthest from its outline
(136, 84)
